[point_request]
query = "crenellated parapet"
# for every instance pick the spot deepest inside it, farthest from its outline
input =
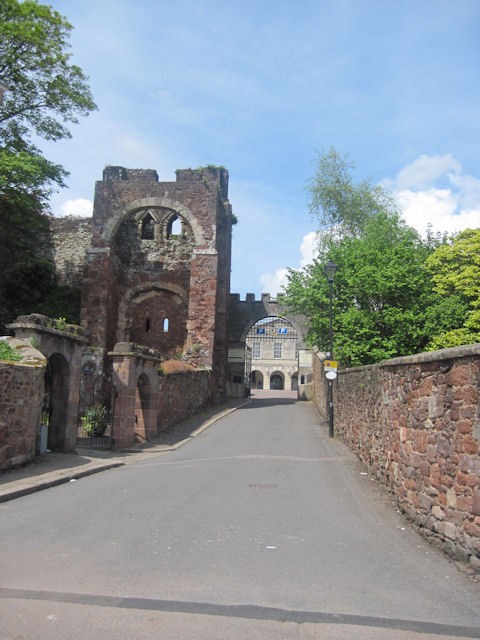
(244, 313)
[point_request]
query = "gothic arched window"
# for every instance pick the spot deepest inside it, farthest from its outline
(174, 227)
(148, 228)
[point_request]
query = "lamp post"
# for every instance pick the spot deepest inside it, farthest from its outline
(330, 270)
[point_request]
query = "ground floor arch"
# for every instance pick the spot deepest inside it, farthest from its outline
(55, 404)
(256, 379)
(277, 381)
(294, 382)
(143, 412)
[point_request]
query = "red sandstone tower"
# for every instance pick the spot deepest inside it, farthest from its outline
(157, 272)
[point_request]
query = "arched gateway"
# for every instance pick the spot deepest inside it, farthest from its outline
(265, 344)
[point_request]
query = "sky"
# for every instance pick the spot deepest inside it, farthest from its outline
(261, 87)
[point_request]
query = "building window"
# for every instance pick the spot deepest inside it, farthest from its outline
(148, 325)
(277, 350)
(256, 350)
(174, 227)
(148, 228)
(165, 325)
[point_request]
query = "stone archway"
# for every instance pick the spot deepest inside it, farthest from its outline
(294, 382)
(57, 374)
(256, 379)
(141, 406)
(144, 427)
(268, 337)
(63, 351)
(277, 381)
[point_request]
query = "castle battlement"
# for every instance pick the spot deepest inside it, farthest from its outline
(250, 299)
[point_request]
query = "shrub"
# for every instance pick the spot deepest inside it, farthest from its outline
(94, 422)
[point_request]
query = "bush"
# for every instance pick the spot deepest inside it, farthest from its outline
(94, 422)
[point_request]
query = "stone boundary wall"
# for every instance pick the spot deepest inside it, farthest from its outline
(21, 397)
(181, 395)
(146, 402)
(415, 422)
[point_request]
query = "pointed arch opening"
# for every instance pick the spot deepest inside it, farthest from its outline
(174, 227)
(147, 228)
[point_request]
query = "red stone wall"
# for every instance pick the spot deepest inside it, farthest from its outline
(129, 279)
(181, 395)
(146, 322)
(63, 349)
(21, 396)
(148, 402)
(415, 422)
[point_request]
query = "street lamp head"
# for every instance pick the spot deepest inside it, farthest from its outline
(330, 269)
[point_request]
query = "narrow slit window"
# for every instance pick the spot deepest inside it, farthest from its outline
(165, 325)
(148, 325)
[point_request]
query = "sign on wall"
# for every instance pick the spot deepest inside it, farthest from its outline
(236, 355)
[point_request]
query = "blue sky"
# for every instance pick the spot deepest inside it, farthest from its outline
(259, 86)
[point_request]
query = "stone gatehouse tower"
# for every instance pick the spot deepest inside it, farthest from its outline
(157, 271)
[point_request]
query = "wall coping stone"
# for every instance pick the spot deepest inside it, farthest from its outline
(465, 351)
(48, 330)
(131, 349)
(30, 357)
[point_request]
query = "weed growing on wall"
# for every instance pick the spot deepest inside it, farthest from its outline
(7, 353)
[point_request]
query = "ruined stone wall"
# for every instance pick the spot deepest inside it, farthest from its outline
(21, 397)
(71, 237)
(415, 421)
(141, 272)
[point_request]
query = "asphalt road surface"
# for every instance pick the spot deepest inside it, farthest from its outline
(261, 527)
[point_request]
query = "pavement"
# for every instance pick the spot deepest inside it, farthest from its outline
(53, 468)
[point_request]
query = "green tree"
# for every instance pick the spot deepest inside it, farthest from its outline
(455, 272)
(380, 293)
(340, 205)
(384, 305)
(45, 93)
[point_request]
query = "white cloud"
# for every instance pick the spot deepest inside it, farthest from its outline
(273, 283)
(433, 191)
(469, 190)
(80, 208)
(425, 170)
(308, 248)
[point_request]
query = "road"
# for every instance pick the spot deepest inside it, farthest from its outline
(261, 527)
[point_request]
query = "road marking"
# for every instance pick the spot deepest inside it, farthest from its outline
(245, 611)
